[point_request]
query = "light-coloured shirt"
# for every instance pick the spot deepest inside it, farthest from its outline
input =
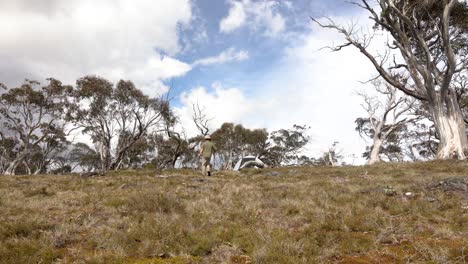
(208, 148)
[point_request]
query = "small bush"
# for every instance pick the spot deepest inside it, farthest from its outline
(154, 203)
(38, 192)
(22, 228)
(28, 251)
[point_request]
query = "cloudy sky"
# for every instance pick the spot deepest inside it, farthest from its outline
(255, 62)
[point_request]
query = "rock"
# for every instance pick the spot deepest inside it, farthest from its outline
(274, 173)
(85, 175)
(452, 184)
(409, 194)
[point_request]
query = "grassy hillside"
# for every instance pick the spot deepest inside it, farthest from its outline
(288, 215)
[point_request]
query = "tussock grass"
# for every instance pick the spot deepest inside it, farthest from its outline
(286, 215)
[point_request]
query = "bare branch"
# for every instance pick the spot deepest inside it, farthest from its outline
(200, 119)
(379, 66)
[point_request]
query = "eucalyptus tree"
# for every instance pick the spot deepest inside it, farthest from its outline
(7, 151)
(387, 114)
(47, 154)
(32, 116)
(82, 156)
(234, 141)
(430, 39)
(172, 145)
(116, 118)
(418, 141)
(332, 157)
(285, 145)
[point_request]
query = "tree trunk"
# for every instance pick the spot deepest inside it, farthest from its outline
(374, 156)
(450, 126)
(228, 162)
(11, 169)
(331, 157)
(28, 169)
(105, 157)
(42, 168)
(118, 166)
(115, 165)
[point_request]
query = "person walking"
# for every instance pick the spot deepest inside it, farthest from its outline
(206, 151)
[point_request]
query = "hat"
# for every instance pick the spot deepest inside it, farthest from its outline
(207, 137)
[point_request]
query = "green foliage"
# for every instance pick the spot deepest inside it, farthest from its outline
(235, 141)
(427, 15)
(285, 145)
(84, 156)
(173, 146)
(33, 127)
(106, 112)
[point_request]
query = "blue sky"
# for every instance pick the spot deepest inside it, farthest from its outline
(255, 62)
(265, 52)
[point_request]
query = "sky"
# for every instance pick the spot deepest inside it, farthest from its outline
(259, 63)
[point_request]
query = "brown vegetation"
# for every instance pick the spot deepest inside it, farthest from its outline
(287, 215)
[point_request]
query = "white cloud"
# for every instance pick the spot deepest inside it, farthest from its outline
(235, 19)
(226, 56)
(219, 103)
(257, 15)
(312, 87)
(112, 38)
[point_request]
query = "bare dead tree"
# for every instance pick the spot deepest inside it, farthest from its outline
(201, 119)
(429, 40)
(386, 115)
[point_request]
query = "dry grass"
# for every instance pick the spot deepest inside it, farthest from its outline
(289, 215)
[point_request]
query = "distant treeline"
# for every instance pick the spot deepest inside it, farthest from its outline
(125, 128)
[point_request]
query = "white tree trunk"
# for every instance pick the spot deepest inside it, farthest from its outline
(374, 156)
(11, 169)
(105, 157)
(450, 127)
(331, 157)
(28, 170)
